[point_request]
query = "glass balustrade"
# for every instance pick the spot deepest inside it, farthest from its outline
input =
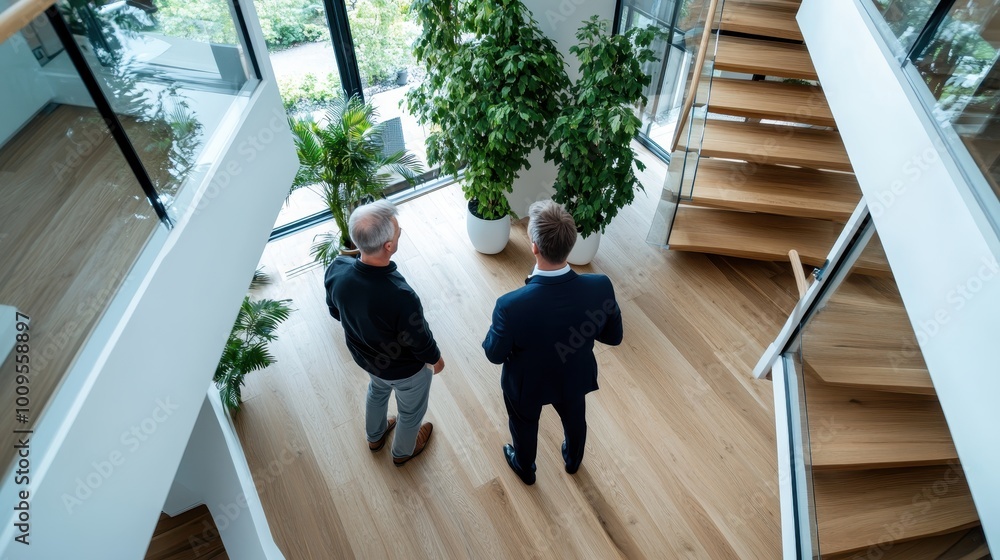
(692, 56)
(175, 75)
(73, 221)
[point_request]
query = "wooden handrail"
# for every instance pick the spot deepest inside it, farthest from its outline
(800, 277)
(699, 62)
(20, 14)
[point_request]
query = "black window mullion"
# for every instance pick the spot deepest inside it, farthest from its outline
(107, 113)
(343, 47)
(930, 30)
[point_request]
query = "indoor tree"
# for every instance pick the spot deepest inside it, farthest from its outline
(342, 160)
(591, 140)
(494, 85)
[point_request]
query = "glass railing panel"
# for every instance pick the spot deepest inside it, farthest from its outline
(689, 104)
(901, 21)
(859, 352)
(959, 66)
(73, 221)
(176, 73)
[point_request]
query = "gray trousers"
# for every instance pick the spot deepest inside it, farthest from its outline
(411, 403)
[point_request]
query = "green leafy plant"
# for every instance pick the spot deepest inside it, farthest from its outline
(494, 85)
(591, 141)
(303, 93)
(342, 160)
(247, 348)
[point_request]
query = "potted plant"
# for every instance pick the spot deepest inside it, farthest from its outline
(494, 84)
(247, 348)
(591, 140)
(342, 160)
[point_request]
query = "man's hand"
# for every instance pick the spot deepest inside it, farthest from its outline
(438, 366)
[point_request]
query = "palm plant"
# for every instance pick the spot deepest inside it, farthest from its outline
(342, 161)
(247, 347)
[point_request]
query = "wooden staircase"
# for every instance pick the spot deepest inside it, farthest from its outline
(762, 188)
(885, 473)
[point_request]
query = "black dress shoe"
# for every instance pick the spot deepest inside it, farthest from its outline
(570, 469)
(525, 476)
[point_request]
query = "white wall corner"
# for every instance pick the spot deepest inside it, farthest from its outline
(559, 21)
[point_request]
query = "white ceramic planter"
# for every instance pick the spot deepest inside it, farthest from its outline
(489, 237)
(585, 249)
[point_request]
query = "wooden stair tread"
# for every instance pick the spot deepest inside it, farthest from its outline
(789, 191)
(773, 144)
(914, 381)
(853, 428)
(769, 58)
(759, 236)
(858, 509)
(764, 20)
(927, 548)
(771, 100)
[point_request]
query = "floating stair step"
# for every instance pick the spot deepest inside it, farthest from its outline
(914, 381)
(776, 21)
(859, 509)
(769, 58)
(789, 191)
(776, 145)
(856, 429)
(927, 548)
(760, 236)
(771, 100)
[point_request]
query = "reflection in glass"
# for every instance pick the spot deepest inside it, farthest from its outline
(659, 116)
(73, 217)
(905, 18)
(171, 70)
(959, 65)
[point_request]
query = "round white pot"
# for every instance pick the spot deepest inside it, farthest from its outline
(489, 237)
(585, 249)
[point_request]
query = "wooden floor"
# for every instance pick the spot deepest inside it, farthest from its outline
(680, 459)
(72, 222)
(189, 536)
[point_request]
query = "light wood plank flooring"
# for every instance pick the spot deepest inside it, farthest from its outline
(680, 458)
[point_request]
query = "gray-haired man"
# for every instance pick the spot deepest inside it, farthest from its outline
(385, 330)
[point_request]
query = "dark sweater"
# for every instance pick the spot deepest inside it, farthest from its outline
(383, 320)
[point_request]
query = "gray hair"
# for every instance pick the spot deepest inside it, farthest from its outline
(552, 229)
(371, 226)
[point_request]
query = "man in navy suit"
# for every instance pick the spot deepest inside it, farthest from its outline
(544, 335)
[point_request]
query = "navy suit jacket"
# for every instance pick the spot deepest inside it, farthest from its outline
(544, 335)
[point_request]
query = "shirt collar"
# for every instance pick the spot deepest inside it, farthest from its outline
(559, 272)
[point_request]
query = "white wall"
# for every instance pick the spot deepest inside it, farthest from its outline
(942, 253)
(105, 453)
(214, 472)
(24, 89)
(559, 20)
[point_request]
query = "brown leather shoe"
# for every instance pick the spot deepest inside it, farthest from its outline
(376, 445)
(423, 436)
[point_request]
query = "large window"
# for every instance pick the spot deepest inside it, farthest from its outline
(664, 93)
(333, 48)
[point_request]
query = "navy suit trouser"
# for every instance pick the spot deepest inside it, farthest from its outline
(523, 422)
